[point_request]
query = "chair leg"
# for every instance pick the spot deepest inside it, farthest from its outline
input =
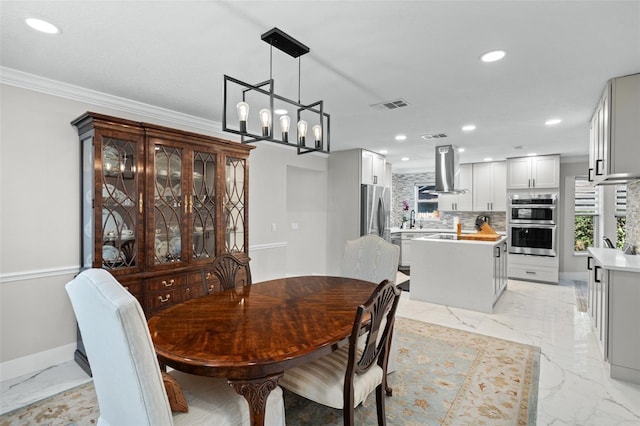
(388, 390)
(382, 417)
(349, 416)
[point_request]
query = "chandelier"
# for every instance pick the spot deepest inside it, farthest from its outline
(261, 96)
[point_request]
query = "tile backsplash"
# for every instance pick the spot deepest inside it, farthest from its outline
(633, 215)
(404, 190)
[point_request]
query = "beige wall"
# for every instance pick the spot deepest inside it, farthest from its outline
(39, 216)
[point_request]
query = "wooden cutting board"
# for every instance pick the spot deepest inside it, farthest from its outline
(480, 237)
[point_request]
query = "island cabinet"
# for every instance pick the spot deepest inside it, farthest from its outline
(158, 204)
(613, 296)
(458, 273)
(490, 186)
(537, 172)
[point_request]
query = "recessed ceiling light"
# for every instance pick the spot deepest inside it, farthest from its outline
(401, 137)
(468, 127)
(553, 122)
(405, 158)
(460, 149)
(494, 55)
(42, 26)
(532, 154)
(280, 111)
(488, 159)
(383, 151)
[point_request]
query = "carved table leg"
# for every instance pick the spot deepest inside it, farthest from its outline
(256, 392)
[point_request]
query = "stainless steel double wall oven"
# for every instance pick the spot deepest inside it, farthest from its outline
(532, 224)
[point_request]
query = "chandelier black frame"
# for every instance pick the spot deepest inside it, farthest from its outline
(282, 41)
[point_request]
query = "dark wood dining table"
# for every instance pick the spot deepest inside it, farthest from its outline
(252, 334)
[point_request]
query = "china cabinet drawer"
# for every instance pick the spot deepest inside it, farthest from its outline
(166, 282)
(192, 291)
(163, 299)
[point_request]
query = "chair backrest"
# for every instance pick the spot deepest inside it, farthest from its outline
(370, 258)
(125, 369)
(225, 267)
(373, 325)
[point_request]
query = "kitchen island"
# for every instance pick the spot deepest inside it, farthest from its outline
(460, 273)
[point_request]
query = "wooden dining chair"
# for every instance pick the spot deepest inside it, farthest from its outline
(126, 374)
(345, 377)
(225, 268)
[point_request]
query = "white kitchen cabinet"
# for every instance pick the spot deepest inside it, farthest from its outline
(459, 202)
(533, 268)
(500, 269)
(614, 133)
(373, 168)
(533, 172)
(489, 186)
(614, 292)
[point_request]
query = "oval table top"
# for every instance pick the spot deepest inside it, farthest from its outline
(261, 329)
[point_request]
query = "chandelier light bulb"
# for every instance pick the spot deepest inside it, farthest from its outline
(302, 132)
(243, 114)
(285, 123)
(265, 121)
(317, 135)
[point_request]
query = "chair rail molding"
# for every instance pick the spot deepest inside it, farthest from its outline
(38, 274)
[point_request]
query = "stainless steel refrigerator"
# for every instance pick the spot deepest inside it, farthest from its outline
(375, 211)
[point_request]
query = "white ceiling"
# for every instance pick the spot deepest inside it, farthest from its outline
(173, 54)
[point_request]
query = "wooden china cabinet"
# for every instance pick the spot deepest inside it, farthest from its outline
(159, 204)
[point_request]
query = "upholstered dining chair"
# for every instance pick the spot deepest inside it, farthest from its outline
(126, 373)
(374, 259)
(370, 258)
(345, 377)
(225, 268)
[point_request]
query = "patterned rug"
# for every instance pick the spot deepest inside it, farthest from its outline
(445, 377)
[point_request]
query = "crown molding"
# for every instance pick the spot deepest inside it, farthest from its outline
(13, 77)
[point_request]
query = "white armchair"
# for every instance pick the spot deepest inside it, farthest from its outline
(374, 259)
(126, 373)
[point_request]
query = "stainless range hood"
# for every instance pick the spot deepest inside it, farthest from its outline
(447, 170)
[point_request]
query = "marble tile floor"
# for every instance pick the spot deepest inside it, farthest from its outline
(574, 387)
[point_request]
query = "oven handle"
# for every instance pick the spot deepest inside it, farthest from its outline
(531, 225)
(532, 206)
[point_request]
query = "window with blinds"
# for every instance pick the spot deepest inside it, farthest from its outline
(586, 198)
(586, 202)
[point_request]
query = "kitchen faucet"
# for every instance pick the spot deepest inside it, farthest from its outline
(412, 219)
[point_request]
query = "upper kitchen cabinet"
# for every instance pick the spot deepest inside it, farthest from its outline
(536, 172)
(459, 202)
(158, 204)
(614, 134)
(373, 168)
(489, 186)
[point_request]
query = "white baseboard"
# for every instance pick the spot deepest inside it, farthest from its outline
(36, 362)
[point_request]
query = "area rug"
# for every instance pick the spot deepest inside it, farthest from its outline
(444, 377)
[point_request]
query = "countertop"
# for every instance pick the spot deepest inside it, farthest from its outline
(615, 259)
(474, 242)
(430, 231)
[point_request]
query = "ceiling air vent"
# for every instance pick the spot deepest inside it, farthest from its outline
(394, 104)
(430, 136)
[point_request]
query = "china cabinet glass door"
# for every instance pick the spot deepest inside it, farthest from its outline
(203, 209)
(234, 205)
(121, 203)
(169, 204)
